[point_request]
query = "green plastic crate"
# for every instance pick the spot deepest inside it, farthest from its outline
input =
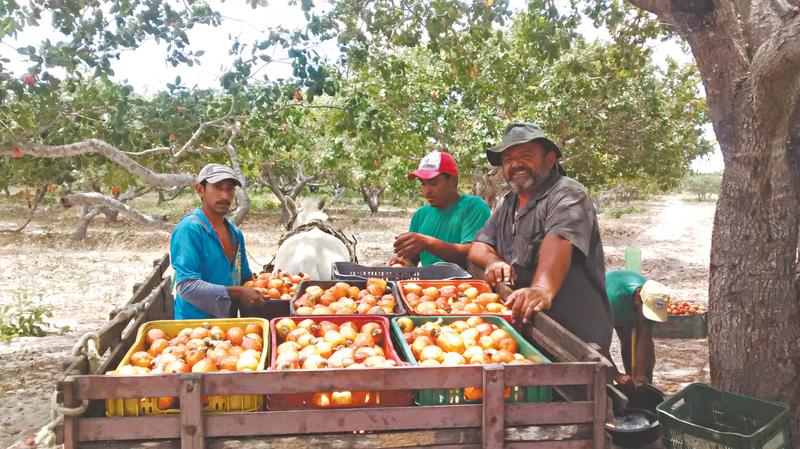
(683, 326)
(456, 395)
(702, 417)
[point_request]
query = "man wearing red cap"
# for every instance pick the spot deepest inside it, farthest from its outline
(443, 229)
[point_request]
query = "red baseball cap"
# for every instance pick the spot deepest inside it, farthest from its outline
(434, 164)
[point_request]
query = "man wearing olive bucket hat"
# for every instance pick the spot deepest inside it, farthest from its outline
(544, 239)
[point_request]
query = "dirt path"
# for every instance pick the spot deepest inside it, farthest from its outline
(675, 239)
(84, 281)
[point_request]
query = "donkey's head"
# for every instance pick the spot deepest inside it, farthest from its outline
(309, 209)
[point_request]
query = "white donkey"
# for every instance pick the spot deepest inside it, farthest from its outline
(311, 249)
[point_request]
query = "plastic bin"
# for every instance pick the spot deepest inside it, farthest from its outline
(349, 271)
(216, 404)
(399, 309)
(683, 326)
(482, 286)
(703, 417)
(456, 395)
(387, 398)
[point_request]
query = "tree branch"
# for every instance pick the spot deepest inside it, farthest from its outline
(241, 193)
(185, 148)
(778, 53)
(96, 146)
(167, 150)
(98, 199)
(38, 200)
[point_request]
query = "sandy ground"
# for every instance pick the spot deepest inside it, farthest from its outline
(84, 281)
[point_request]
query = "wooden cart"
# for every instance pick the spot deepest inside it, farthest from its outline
(579, 375)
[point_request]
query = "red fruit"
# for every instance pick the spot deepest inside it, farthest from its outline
(298, 95)
(16, 153)
(253, 328)
(155, 334)
(29, 79)
(235, 335)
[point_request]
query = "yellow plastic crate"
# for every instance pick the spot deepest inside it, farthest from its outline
(216, 404)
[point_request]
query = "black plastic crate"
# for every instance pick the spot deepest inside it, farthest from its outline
(348, 271)
(703, 417)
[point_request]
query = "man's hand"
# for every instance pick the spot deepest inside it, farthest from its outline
(499, 271)
(400, 262)
(409, 244)
(246, 296)
(527, 301)
(622, 379)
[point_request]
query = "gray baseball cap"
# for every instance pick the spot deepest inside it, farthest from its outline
(515, 134)
(215, 173)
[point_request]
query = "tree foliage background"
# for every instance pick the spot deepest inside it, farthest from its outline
(409, 77)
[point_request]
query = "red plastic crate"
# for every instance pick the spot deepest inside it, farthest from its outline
(388, 398)
(482, 286)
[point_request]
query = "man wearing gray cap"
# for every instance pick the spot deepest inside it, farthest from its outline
(208, 254)
(544, 239)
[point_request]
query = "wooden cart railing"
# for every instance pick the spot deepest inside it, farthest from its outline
(492, 424)
(574, 424)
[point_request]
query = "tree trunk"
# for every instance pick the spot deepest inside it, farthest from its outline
(490, 187)
(749, 58)
(372, 196)
(82, 226)
(282, 190)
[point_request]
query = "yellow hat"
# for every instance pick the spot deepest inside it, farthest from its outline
(655, 298)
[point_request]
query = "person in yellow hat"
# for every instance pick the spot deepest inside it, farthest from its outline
(636, 305)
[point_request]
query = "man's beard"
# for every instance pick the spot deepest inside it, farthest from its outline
(531, 183)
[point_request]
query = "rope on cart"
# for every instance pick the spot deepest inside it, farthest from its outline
(46, 436)
(87, 345)
(131, 310)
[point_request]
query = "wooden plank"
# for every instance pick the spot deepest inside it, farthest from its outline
(115, 387)
(548, 433)
(569, 444)
(558, 436)
(111, 332)
(269, 382)
(493, 407)
(332, 421)
(71, 435)
(344, 420)
(600, 401)
(568, 374)
(138, 428)
(193, 434)
(549, 413)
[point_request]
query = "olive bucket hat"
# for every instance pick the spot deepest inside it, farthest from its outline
(515, 134)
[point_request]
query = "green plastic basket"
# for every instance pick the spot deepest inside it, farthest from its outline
(702, 417)
(456, 395)
(683, 326)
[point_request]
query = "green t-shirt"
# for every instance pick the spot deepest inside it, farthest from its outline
(456, 224)
(621, 286)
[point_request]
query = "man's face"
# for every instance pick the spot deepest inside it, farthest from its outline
(217, 197)
(526, 166)
(439, 189)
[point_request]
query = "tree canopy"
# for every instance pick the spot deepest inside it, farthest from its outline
(428, 75)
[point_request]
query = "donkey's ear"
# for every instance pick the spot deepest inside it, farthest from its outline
(290, 206)
(322, 202)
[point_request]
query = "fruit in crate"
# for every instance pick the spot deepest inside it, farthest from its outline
(471, 341)
(278, 285)
(205, 348)
(305, 344)
(684, 308)
(344, 299)
(456, 299)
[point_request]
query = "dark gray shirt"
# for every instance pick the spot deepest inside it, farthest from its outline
(562, 206)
